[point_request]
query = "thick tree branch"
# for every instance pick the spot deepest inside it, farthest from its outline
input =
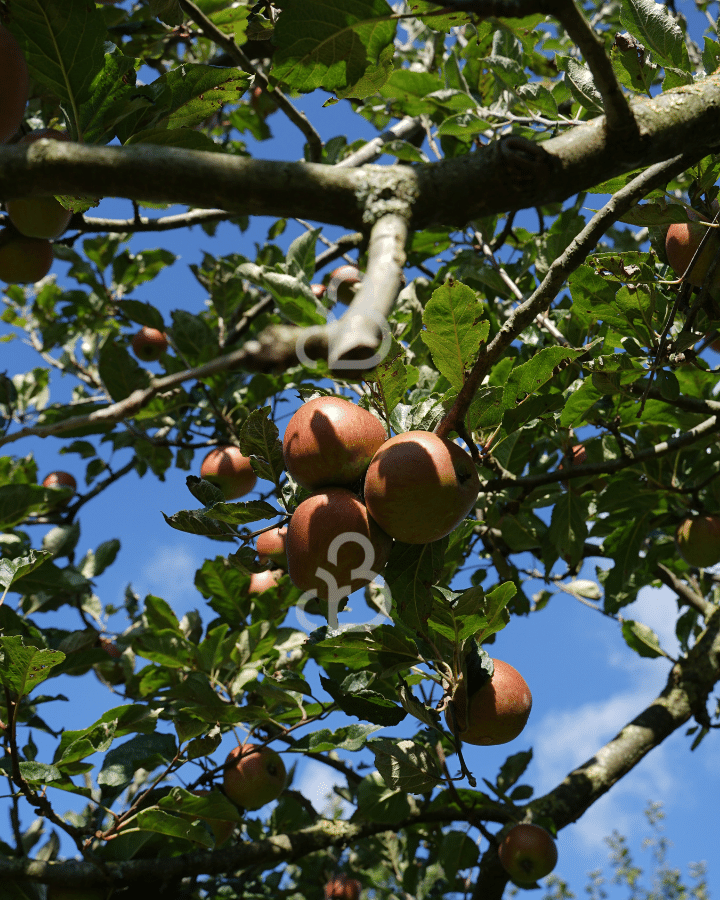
(510, 174)
(683, 590)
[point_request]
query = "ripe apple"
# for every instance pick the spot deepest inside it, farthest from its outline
(149, 344)
(263, 581)
(254, 776)
(318, 290)
(270, 545)
(60, 480)
(528, 852)
(39, 217)
(419, 486)
(681, 242)
(315, 524)
(221, 828)
(330, 441)
(577, 456)
(499, 709)
(698, 540)
(14, 84)
(228, 469)
(342, 887)
(23, 260)
(342, 284)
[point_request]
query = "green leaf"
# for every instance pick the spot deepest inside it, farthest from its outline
(641, 639)
(343, 46)
(454, 330)
(161, 822)
(652, 24)
(363, 704)
(23, 668)
(146, 751)
(568, 528)
(120, 373)
(405, 765)
(349, 737)
(13, 569)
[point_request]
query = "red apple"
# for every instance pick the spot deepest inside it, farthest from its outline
(39, 217)
(254, 775)
(342, 284)
(681, 242)
(419, 487)
(318, 290)
(228, 469)
(498, 711)
(698, 540)
(342, 887)
(149, 344)
(320, 521)
(60, 479)
(23, 260)
(14, 84)
(263, 581)
(270, 545)
(330, 441)
(528, 852)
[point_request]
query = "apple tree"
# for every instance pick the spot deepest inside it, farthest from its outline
(484, 304)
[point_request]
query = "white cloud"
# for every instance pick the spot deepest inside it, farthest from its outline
(170, 574)
(316, 782)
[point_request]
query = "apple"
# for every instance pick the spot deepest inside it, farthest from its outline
(528, 852)
(420, 486)
(498, 711)
(698, 540)
(221, 828)
(318, 290)
(681, 242)
(14, 84)
(39, 217)
(342, 887)
(149, 344)
(263, 581)
(315, 524)
(228, 469)
(342, 284)
(60, 480)
(577, 456)
(23, 260)
(270, 545)
(330, 441)
(254, 775)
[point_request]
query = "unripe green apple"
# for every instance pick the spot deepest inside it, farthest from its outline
(270, 545)
(14, 84)
(342, 887)
(263, 581)
(528, 852)
(419, 487)
(681, 242)
(39, 217)
(330, 441)
(23, 260)
(149, 344)
(228, 469)
(698, 540)
(498, 710)
(316, 524)
(254, 776)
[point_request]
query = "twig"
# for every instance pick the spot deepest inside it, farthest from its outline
(403, 130)
(567, 262)
(684, 591)
(298, 118)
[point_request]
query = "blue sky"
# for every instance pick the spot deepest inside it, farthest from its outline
(586, 684)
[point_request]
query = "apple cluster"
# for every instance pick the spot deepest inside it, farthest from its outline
(367, 491)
